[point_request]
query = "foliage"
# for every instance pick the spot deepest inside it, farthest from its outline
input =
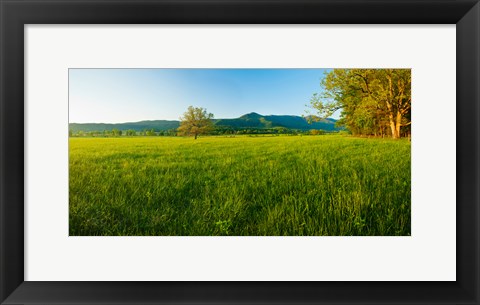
(116, 132)
(373, 101)
(131, 132)
(241, 186)
(316, 132)
(195, 121)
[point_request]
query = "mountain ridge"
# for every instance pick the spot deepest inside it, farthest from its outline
(246, 121)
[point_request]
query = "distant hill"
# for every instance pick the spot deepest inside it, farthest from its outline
(255, 120)
(156, 125)
(250, 120)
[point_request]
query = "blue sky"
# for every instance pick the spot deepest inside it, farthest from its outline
(130, 95)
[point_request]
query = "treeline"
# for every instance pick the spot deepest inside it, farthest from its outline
(374, 102)
(228, 130)
(220, 130)
(119, 133)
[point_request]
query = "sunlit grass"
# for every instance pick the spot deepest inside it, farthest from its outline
(288, 185)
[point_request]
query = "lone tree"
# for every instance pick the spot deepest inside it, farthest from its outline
(195, 121)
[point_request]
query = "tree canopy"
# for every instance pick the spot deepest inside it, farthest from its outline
(373, 101)
(195, 121)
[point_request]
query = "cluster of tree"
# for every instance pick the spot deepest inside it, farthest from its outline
(373, 101)
(228, 130)
(128, 133)
(104, 133)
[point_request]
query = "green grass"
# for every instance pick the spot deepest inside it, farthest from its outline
(287, 185)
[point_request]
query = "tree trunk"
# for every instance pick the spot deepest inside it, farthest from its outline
(392, 126)
(399, 123)
(196, 136)
(395, 127)
(395, 124)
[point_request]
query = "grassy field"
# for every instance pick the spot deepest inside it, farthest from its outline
(285, 185)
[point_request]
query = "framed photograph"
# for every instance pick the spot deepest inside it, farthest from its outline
(239, 152)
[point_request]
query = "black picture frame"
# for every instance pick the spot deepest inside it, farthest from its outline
(14, 14)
